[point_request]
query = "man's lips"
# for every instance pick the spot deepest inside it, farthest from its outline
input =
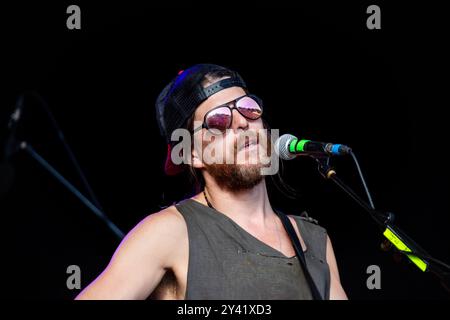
(248, 144)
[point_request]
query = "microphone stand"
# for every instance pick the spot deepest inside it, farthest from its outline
(394, 236)
(67, 148)
(12, 146)
(30, 150)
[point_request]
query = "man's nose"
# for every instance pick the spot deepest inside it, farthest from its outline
(239, 121)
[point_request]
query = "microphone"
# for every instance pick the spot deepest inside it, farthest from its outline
(288, 147)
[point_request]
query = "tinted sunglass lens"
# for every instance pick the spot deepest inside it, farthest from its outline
(249, 108)
(219, 118)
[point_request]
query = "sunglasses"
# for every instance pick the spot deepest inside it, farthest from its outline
(221, 117)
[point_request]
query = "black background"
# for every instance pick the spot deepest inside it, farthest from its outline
(322, 75)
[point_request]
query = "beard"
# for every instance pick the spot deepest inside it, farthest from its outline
(234, 177)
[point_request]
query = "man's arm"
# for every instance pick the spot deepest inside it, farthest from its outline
(336, 290)
(141, 260)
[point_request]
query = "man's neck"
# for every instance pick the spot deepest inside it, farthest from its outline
(247, 207)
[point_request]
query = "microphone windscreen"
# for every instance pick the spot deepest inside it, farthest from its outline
(282, 146)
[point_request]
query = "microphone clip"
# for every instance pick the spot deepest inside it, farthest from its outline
(323, 163)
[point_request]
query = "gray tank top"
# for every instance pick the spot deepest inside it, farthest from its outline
(227, 263)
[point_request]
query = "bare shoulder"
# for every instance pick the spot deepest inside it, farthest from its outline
(168, 220)
(165, 228)
(150, 249)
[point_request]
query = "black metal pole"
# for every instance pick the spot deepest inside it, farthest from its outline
(384, 220)
(29, 149)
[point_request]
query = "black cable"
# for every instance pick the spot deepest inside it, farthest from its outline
(361, 176)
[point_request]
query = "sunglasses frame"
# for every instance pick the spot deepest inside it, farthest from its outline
(227, 105)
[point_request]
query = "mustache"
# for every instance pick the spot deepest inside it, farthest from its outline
(263, 140)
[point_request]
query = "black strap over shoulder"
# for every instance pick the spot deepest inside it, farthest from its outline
(301, 257)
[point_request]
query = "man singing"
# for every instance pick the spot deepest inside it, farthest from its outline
(226, 242)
